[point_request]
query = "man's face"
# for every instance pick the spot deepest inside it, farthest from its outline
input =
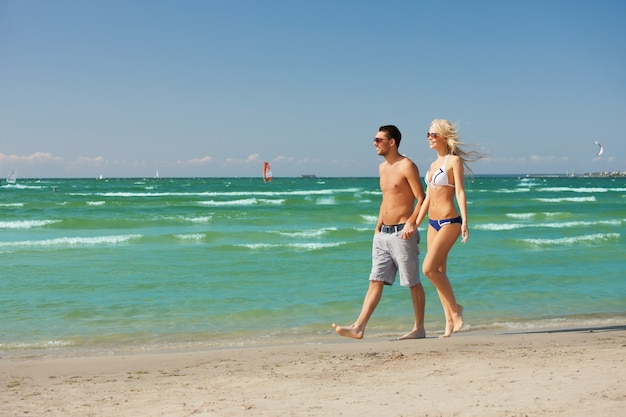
(381, 142)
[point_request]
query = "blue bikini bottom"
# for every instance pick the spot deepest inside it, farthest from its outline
(437, 224)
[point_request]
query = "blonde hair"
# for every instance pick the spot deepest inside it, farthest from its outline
(455, 147)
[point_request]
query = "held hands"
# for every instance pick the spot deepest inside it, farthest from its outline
(408, 231)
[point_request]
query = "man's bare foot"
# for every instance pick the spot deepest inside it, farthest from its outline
(350, 331)
(414, 334)
(458, 319)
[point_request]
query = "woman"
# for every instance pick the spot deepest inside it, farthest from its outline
(444, 181)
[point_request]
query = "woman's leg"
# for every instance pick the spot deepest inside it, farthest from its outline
(434, 267)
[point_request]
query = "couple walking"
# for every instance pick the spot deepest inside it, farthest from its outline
(404, 205)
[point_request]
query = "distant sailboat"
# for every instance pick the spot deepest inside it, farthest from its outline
(12, 177)
(267, 172)
(156, 176)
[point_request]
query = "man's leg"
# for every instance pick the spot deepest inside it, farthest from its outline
(418, 297)
(372, 297)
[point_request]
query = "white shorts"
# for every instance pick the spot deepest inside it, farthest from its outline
(392, 254)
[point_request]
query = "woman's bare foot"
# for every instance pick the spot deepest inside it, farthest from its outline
(414, 334)
(448, 331)
(458, 319)
(454, 323)
(350, 331)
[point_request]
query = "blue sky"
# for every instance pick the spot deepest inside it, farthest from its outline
(214, 88)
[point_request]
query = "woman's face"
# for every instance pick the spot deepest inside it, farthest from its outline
(435, 138)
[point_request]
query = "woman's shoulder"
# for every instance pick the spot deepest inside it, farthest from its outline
(455, 159)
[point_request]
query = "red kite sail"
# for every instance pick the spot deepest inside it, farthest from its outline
(267, 172)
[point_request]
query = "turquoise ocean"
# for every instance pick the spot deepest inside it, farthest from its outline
(126, 265)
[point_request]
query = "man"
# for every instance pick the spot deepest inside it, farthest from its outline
(395, 244)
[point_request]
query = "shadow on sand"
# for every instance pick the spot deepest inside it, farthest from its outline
(577, 329)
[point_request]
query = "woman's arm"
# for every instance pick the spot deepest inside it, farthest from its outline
(459, 186)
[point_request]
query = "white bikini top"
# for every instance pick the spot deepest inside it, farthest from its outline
(441, 176)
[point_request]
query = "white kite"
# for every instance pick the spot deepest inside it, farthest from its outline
(601, 149)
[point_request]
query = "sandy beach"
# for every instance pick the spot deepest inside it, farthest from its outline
(578, 372)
